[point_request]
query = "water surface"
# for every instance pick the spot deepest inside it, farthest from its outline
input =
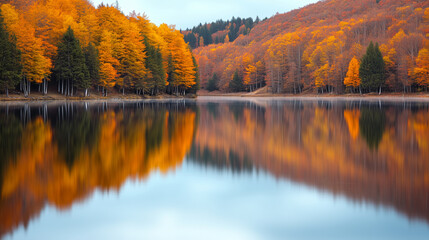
(215, 169)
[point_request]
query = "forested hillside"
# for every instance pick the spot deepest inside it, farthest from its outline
(219, 31)
(311, 49)
(79, 47)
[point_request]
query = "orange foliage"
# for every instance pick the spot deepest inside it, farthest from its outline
(311, 47)
(35, 65)
(40, 24)
(40, 175)
(319, 146)
(421, 71)
(352, 78)
(352, 119)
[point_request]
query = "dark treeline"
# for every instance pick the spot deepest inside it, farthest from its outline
(219, 32)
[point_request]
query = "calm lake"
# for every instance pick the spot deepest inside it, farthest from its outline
(215, 168)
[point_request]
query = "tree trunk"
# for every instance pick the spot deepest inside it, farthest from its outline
(379, 93)
(23, 87)
(7, 92)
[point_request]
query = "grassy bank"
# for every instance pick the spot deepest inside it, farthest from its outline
(264, 93)
(94, 96)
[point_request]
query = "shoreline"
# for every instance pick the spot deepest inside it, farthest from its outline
(419, 97)
(57, 97)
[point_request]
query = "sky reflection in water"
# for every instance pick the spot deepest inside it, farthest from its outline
(255, 170)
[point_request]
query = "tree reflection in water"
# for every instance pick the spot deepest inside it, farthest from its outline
(63, 154)
(59, 154)
(373, 152)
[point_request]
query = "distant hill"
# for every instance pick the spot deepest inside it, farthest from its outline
(311, 47)
(217, 32)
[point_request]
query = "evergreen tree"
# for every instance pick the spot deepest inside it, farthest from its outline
(170, 75)
(196, 86)
(10, 58)
(70, 64)
(93, 64)
(372, 68)
(156, 76)
(206, 36)
(236, 85)
(212, 84)
(191, 39)
(204, 32)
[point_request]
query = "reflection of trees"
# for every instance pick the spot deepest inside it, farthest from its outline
(419, 122)
(84, 150)
(318, 143)
(220, 160)
(10, 137)
(352, 119)
(371, 125)
(73, 134)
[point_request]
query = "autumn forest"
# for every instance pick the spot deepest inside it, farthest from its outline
(332, 46)
(115, 125)
(78, 47)
(325, 47)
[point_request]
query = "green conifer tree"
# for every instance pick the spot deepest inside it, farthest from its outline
(213, 82)
(70, 64)
(156, 77)
(196, 86)
(372, 69)
(170, 75)
(236, 85)
(93, 64)
(10, 58)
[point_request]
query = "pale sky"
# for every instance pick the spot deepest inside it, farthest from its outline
(189, 13)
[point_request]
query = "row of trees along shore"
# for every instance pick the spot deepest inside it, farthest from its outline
(81, 48)
(323, 48)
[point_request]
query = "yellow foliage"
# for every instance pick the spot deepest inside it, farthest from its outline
(35, 65)
(352, 77)
(321, 75)
(183, 73)
(421, 70)
(352, 119)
